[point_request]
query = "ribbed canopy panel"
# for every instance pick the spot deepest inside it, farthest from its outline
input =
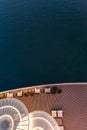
(12, 115)
(41, 120)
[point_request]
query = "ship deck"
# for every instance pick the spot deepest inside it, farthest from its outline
(72, 100)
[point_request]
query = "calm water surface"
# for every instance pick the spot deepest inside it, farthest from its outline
(42, 41)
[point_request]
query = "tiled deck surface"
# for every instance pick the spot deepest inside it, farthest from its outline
(72, 100)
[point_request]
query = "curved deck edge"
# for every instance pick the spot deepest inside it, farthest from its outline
(45, 85)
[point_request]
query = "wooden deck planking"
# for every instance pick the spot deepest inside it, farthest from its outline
(72, 100)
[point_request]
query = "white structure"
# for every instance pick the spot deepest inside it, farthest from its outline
(9, 95)
(12, 114)
(47, 90)
(37, 90)
(60, 113)
(20, 94)
(61, 127)
(54, 113)
(40, 120)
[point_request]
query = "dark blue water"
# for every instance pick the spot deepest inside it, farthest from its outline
(42, 41)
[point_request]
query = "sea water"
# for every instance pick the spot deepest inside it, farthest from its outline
(42, 41)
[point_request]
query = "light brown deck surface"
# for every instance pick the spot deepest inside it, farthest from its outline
(72, 100)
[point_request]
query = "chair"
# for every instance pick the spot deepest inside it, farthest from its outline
(53, 113)
(59, 121)
(60, 113)
(2, 95)
(20, 94)
(37, 90)
(47, 90)
(61, 127)
(9, 95)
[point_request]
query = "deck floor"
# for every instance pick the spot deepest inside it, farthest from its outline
(72, 100)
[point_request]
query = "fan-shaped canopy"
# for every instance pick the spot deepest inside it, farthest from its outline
(41, 120)
(13, 114)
